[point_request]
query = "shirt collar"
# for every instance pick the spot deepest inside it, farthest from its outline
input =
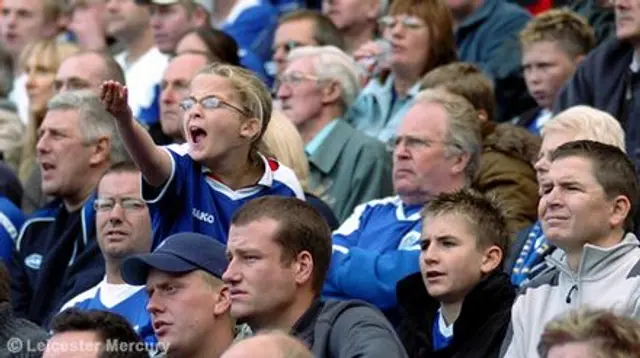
(270, 166)
(319, 138)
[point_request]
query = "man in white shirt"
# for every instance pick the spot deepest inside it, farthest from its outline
(123, 228)
(143, 64)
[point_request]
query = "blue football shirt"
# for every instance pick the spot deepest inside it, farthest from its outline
(193, 200)
(126, 300)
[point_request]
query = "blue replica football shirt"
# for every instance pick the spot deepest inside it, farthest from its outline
(377, 246)
(193, 200)
(126, 300)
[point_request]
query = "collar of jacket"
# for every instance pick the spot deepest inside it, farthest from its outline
(328, 152)
(596, 262)
(304, 326)
(478, 16)
(88, 217)
(494, 293)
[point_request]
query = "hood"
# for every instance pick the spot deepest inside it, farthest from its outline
(511, 140)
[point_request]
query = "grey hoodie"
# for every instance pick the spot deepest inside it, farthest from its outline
(606, 278)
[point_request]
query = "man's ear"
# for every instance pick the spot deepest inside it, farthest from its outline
(331, 93)
(303, 268)
(222, 302)
(620, 209)
(373, 10)
(101, 151)
(460, 163)
(492, 257)
(199, 17)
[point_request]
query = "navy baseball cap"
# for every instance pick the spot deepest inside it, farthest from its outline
(179, 253)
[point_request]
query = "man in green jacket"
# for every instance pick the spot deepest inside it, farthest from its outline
(347, 167)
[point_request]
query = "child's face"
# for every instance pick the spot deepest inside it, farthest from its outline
(547, 67)
(450, 261)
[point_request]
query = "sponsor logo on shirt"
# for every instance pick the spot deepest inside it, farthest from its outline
(202, 216)
(33, 261)
(410, 241)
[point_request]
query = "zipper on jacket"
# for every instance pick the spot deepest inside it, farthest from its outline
(573, 288)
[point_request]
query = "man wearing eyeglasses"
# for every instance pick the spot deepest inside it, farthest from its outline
(347, 167)
(123, 228)
(436, 150)
(56, 255)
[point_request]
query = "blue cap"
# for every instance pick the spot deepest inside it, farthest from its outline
(179, 253)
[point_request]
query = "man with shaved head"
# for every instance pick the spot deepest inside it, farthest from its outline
(269, 345)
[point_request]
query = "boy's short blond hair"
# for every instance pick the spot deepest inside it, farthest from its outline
(571, 31)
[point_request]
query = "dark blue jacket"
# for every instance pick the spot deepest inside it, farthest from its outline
(604, 81)
(36, 293)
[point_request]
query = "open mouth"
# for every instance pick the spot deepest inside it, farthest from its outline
(197, 134)
(47, 166)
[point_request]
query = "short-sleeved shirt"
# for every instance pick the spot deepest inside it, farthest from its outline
(194, 200)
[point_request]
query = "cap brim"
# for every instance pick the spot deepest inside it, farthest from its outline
(135, 269)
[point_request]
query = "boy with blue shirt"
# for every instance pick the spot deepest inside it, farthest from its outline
(466, 306)
(197, 186)
(123, 228)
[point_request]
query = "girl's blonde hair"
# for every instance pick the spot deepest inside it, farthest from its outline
(283, 142)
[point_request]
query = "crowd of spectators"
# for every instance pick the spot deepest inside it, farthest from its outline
(306, 178)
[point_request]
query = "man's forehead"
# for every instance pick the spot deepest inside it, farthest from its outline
(30, 5)
(570, 168)
(422, 117)
(187, 64)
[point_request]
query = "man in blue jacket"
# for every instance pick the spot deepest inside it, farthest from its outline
(56, 255)
(436, 150)
(487, 35)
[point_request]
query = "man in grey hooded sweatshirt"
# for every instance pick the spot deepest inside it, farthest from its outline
(589, 198)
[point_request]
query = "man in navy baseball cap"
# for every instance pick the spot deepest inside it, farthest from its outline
(188, 302)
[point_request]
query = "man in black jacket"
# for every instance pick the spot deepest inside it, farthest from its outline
(56, 256)
(279, 250)
(466, 306)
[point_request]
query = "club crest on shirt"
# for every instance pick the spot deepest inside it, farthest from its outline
(33, 261)
(202, 216)
(410, 241)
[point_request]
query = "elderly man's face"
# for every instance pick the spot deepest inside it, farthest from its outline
(421, 164)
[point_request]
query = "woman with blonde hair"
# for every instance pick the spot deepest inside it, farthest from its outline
(283, 142)
(40, 61)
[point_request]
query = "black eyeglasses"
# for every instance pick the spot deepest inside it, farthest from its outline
(128, 204)
(288, 46)
(209, 102)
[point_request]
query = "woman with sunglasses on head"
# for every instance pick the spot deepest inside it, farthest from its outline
(197, 186)
(419, 34)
